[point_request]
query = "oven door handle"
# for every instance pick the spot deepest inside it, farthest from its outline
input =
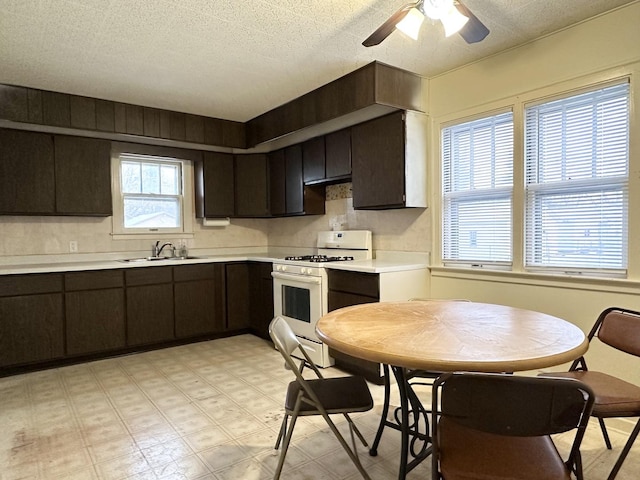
(296, 278)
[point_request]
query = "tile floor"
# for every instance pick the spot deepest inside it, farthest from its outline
(209, 410)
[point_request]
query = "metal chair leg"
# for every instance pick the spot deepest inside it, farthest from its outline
(605, 434)
(625, 451)
(287, 438)
(354, 428)
(352, 454)
(283, 429)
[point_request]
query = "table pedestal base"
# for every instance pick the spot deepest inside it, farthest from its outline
(411, 419)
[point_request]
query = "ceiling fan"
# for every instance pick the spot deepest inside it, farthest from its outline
(454, 16)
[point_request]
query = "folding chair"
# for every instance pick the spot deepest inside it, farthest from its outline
(618, 328)
(318, 396)
(498, 426)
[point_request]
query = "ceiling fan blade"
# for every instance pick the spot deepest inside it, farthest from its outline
(389, 26)
(474, 30)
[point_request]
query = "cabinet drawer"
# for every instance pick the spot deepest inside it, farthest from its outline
(13, 285)
(194, 272)
(148, 276)
(338, 300)
(93, 280)
(355, 282)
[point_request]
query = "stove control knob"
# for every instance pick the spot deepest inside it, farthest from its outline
(303, 270)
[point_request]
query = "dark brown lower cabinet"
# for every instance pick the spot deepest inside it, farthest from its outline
(199, 299)
(261, 297)
(354, 288)
(95, 312)
(237, 293)
(31, 319)
(149, 305)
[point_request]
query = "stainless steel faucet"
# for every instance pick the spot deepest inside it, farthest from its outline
(157, 250)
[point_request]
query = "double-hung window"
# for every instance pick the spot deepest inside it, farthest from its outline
(576, 182)
(149, 195)
(477, 182)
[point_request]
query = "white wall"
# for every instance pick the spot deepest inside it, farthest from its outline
(603, 48)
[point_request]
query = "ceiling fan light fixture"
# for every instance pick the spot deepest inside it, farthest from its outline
(436, 9)
(410, 24)
(453, 21)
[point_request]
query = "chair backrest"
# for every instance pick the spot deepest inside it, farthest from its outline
(620, 329)
(286, 343)
(514, 405)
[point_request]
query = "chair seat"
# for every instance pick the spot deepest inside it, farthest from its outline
(497, 457)
(337, 395)
(613, 397)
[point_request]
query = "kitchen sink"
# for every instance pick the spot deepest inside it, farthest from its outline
(158, 259)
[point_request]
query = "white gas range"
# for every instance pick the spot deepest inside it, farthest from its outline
(300, 285)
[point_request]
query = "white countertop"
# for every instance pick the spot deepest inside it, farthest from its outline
(104, 262)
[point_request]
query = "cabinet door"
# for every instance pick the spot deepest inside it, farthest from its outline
(313, 159)
(95, 312)
(378, 163)
(252, 192)
(294, 185)
(83, 176)
(238, 300)
(215, 185)
(31, 329)
(199, 300)
(149, 305)
(338, 155)
(277, 176)
(261, 295)
(27, 178)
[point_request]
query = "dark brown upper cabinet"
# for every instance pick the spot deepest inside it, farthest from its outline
(214, 185)
(294, 186)
(370, 88)
(56, 109)
(105, 116)
(313, 158)
(277, 189)
(338, 156)
(27, 173)
(252, 187)
(288, 194)
(82, 112)
(83, 176)
(389, 162)
(14, 103)
(54, 174)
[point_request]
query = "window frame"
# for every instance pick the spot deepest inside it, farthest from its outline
(186, 198)
(516, 102)
(505, 192)
(567, 186)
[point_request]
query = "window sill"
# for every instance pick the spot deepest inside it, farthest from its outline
(150, 235)
(582, 282)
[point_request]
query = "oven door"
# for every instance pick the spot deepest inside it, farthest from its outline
(298, 299)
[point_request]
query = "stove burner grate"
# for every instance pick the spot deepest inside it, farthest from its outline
(319, 258)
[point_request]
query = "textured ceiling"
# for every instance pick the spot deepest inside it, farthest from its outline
(238, 59)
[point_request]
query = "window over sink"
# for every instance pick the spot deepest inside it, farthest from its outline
(151, 195)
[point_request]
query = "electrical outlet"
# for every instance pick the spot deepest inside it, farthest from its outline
(73, 246)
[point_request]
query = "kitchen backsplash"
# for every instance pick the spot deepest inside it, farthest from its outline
(398, 230)
(405, 229)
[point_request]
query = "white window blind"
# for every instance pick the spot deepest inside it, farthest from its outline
(576, 169)
(477, 185)
(150, 195)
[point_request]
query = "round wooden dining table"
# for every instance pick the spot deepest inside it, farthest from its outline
(444, 336)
